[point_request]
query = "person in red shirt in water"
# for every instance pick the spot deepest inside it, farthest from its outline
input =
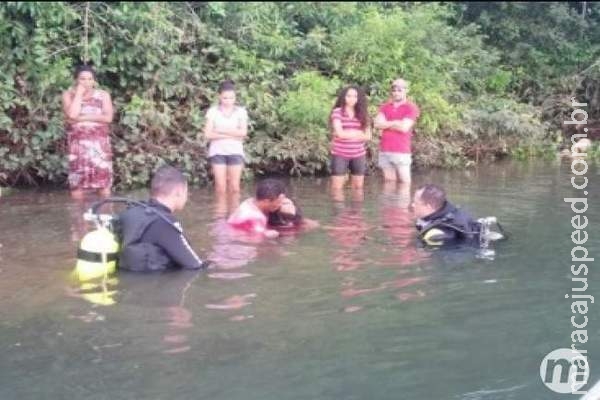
(396, 119)
(270, 208)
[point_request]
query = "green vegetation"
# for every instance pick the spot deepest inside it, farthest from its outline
(491, 79)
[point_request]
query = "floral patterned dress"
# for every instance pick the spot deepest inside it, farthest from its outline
(90, 154)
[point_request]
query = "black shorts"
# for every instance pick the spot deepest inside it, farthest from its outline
(234, 159)
(340, 165)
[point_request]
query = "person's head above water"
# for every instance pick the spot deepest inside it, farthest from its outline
(169, 187)
(428, 199)
(270, 194)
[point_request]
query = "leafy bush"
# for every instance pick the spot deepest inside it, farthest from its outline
(162, 63)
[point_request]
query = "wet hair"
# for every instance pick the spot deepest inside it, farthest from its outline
(269, 189)
(282, 220)
(84, 68)
(165, 180)
(433, 195)
(226, 86)
(360, 108)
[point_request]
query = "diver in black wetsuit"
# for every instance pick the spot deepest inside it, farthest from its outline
(152, 239)
(440, 222)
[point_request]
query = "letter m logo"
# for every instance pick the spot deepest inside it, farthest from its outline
(557, 370)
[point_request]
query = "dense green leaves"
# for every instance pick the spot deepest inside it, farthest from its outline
(471, 68)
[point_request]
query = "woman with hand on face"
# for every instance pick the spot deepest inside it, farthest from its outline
(351, 131)
(88, 113)
(226, 128)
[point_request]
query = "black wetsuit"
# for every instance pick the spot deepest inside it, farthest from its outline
(153, 240)
(279, 219)
(452, 226)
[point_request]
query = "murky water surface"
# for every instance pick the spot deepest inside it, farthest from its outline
(352, 310)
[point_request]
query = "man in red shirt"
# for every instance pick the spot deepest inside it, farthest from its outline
(396, 119)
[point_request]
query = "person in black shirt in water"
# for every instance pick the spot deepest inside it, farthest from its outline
(289, 216)
(152, 239)
(439, 221)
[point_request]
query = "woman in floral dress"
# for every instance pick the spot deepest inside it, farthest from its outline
(88, 114)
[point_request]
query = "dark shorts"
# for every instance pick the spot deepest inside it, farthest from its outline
(340, 165)
(234, 159)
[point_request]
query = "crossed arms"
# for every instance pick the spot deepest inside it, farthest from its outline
(403, 125)
(350, 134)
(239, 132)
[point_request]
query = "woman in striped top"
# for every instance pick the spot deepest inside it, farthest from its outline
(350, 125)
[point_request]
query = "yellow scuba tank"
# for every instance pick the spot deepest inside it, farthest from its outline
(98, 251)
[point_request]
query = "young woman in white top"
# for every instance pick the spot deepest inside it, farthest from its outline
(226, 128)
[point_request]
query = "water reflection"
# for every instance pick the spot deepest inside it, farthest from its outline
(78, 226)
(348, 232)
(397, 226)
(233, 303)
(353, 236)
(165, 293)
(225, 204)
(100, 291)
(348, 235)
(230, 249)
(339, 194)
(179, 320)
(366, 262)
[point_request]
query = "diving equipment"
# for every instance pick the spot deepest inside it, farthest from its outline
(98, 251)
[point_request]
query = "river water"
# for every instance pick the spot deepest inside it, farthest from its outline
(355, 309)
